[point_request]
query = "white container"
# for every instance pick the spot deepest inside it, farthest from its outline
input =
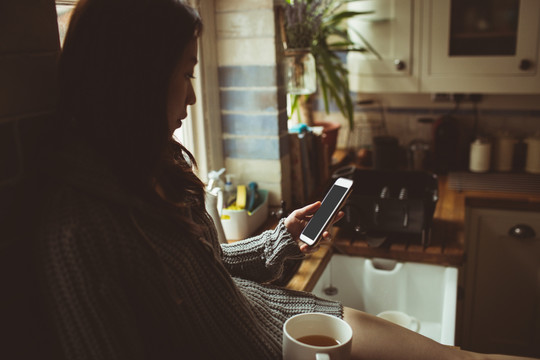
(213, 202)
(532, 165)
(479, 157)
(239, 224)
(503, 152)
(426, 292)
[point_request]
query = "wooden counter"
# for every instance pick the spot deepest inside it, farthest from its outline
(447, 246)
(311, 269)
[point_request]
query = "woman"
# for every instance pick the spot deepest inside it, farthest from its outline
(132, 267)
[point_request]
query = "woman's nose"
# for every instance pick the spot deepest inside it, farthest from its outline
(191, 97)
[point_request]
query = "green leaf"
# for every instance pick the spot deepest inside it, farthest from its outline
(332, 74)
(344, 15)
(295, 107)
(323, 88)
(368, 45)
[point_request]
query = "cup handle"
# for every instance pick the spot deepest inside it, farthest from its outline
(415, 325)
(319, 356)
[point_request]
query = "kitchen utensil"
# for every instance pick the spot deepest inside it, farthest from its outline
(253, 197)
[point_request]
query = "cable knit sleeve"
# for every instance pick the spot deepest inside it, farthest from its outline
(261, 258)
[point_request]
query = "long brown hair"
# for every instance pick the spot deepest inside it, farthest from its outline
(114, 73)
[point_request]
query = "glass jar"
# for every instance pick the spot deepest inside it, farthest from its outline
(300, 73)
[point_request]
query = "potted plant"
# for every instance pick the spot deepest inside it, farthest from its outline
(314, 28)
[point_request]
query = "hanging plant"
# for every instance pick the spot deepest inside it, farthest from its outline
(316, 26)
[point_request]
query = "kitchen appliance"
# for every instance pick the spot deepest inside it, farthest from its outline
(391, 204)
(419, 154)
(385, 152)
(445, 145)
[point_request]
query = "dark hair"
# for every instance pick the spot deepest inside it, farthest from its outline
(114, 73)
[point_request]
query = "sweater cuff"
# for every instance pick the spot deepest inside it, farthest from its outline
(284, 248)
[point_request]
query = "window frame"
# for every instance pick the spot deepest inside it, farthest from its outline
(203, 132)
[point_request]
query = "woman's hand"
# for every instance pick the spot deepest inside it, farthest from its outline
(298, 219)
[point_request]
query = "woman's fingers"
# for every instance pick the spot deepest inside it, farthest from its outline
(309, 210)
(306, 249)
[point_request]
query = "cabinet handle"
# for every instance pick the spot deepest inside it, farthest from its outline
(400, 64)
(521, 231)
(525, 64)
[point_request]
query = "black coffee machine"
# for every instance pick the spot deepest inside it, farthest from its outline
(387, 204)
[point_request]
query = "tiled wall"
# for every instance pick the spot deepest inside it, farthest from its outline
(28, 52)
(517, 115)
(253, 101)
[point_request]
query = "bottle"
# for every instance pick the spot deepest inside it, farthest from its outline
(229, 191)
(215, 187)
(214, 201)
(214, 179)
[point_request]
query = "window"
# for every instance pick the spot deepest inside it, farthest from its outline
(201, 131)
(64, 8)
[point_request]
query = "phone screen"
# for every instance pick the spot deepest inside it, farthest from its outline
(322, 216)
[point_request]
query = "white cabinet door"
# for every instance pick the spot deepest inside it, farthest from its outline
(502, 295)
(390, 30)
(472, 48)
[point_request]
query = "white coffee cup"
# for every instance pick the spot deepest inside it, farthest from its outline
(401, 318)
(313, 324)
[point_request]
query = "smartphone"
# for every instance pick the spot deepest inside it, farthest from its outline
(332, 202)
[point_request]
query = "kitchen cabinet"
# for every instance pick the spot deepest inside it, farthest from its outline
(448, 46)
(390, 30)
(480, 46)
(502, 281)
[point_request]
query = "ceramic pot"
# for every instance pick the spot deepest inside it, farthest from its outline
(532, 165)
(330, 132)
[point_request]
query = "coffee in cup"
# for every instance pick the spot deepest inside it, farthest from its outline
(318, 340)
(316, 336)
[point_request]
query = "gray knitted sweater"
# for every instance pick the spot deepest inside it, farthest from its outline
(122, 283)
